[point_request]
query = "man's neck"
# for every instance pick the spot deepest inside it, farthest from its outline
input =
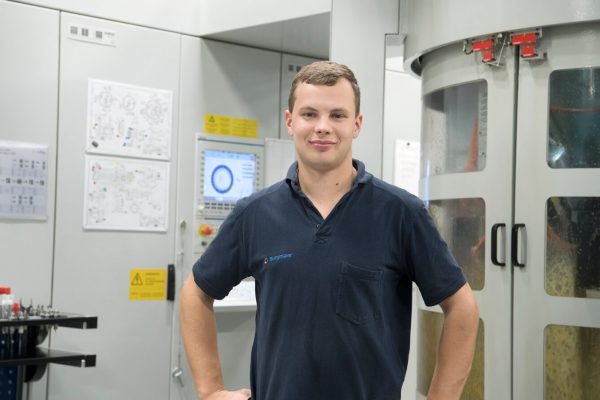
(325, 189)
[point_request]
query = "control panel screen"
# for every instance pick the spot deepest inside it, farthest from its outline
(228, 175)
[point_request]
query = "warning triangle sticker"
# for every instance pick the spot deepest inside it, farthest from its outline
(137, 280)
(211, 119)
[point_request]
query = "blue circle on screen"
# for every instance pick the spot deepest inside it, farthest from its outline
(222, 178)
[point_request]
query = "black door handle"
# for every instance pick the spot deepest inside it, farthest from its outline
(495, 244)
(171, 282)
(515, 245)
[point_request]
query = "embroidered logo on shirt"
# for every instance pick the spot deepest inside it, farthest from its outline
(278, 257)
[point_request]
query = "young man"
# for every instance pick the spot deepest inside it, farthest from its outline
(334, 252)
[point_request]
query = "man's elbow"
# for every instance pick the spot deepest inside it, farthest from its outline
(462, 309)
(472, 309)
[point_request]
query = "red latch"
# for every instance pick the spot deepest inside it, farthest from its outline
(486, 47)
(523, 38)
(528, 51)
(490, 47)
(527, 41)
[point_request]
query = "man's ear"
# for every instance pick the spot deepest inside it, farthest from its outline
(288, 122)
(357, 125)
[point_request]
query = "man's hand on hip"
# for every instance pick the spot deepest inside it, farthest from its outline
(242, 394)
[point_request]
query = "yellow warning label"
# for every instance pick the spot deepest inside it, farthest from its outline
(230, 126)
(147, 284)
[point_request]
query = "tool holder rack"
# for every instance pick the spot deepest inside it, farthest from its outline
(26, 362)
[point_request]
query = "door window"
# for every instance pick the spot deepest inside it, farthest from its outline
(573, 247)
(461, 223)
(574, 118)
(430, 330)
(454, 129)
(571, 363)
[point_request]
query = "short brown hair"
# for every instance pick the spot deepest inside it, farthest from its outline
(324, 73)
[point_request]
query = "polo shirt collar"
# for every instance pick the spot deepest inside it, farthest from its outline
(362, 176)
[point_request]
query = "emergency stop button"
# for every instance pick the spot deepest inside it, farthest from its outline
(205, 230)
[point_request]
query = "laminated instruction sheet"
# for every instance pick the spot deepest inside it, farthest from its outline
(407, 165)
(130, 121)
(126, 194)
(23, 180)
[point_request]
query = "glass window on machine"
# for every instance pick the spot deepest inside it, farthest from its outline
(573, 247)
(574, 118)
(461, 223)
(430, 326)
(571, 363)
(454, 129)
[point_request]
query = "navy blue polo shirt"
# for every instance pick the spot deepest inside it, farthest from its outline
(333, 295)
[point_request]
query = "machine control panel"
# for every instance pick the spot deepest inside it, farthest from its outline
(226, 171)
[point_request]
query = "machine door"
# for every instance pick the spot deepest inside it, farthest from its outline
(96, 271)
(467, 161)
(557, 201)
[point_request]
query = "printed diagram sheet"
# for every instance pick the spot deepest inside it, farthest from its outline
(122, 194)
(23, 180)
(130, 121)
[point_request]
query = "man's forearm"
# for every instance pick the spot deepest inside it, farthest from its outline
(198, 328)
(456, 349)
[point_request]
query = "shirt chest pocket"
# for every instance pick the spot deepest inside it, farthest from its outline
(359, 292)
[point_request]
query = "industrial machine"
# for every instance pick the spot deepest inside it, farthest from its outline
(510, 157)
(51, 73)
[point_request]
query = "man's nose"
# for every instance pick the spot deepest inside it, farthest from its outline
(323, 126)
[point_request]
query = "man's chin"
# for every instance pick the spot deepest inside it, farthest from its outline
(321, 164)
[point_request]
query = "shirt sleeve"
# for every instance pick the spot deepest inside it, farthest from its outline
(433, 267)
(223, 265)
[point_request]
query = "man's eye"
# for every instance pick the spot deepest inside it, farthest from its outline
(309, 114)
(338, 116)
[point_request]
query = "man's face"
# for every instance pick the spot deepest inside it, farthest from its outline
(323, 125)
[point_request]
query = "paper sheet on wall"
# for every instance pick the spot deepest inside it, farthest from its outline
(279, 155)
(123, 194)
(127, 120)
(406, 165)
(23, 180)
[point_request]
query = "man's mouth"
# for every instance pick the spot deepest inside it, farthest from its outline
(322, 145)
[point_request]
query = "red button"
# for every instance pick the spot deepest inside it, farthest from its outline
(205, 230)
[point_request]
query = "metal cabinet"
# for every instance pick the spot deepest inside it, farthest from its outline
(28, 113)
(92, 267)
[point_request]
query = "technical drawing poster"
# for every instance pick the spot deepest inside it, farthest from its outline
(23, 180)
(127, 120)
(122, 194)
